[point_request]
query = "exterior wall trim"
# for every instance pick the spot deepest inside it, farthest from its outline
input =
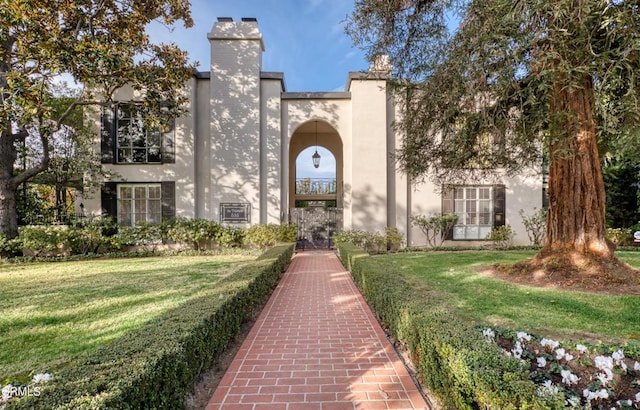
(344, 95)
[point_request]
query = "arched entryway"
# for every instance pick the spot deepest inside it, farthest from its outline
(310, 188)
(316, 194)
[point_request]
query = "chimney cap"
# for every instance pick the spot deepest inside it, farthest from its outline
(249, 19)
(225, 19)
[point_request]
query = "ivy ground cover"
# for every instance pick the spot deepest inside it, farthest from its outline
(52, 312)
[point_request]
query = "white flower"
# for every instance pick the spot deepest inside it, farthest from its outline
(542, 362)
(605, 378)
(42, 378)
(488, 334)
(581, 348)
(560, 354)
(549, 342)
(523, 336)
(636, 367)
(568, 357)
(594, 395)
(573, 402)
(517, 350)
(624, 403)
(603, 362)
(617, 356)
(569, 378)
(547, 389)
(638, 398)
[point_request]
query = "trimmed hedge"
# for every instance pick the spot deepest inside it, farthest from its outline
(153, 367)
(452, 357)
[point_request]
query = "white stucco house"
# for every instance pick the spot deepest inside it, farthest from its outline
(232, 157)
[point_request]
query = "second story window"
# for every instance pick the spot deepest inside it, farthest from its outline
(124, 138)
(135, 142)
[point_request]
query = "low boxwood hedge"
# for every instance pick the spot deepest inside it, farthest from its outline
(154, 366)
(452, 357)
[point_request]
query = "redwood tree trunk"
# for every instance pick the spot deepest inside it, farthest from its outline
(576, 218)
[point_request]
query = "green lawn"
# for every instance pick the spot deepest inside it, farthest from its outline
(551, 313)
(51, 312)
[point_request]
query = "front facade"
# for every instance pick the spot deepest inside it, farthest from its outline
(232, 157)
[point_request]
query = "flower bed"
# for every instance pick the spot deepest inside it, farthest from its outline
(589, 377)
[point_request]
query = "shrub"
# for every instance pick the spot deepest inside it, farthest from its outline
(142, 233)
(501, 236)
(267, 235)
(231, 237)
(395, 240)
(89, 239)
(10, 246)
(352, 236)
(96, 235)
(262, 236)
(44, 239)
(451, 356)
(620, 236)
(195, 232)
(535, 225)
(373, 242)
(154, 366)
(435, 227)
(287, 232)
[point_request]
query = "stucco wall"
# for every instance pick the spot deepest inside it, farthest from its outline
(236, 60)
(270, 151)
(369, 156)
(181, 172)
(522, 192)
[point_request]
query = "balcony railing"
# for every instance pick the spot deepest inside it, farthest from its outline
(316, 186)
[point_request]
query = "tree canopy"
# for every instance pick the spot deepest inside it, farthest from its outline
(101, 44)
(467, 68)
(489, 85)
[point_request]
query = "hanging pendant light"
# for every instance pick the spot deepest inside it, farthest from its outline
(316, 157)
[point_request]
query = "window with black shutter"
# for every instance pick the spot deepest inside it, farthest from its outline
(107, 136)
(125, 139)
(168, 200)
(109, 199)
(479, 210)
(132, 203)
(447, 207)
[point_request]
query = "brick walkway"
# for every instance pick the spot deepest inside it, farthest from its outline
(316, 345)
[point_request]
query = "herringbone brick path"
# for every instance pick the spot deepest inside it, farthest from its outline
(316, 345)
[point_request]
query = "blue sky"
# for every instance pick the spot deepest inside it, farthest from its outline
(304, 39)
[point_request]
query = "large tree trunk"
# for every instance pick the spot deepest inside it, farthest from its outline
(576, 218)
(576, 253)
(8, 187)
(8, 212)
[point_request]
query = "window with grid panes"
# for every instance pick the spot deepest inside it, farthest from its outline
(474, 207)
(139, 203)
(135, 143)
